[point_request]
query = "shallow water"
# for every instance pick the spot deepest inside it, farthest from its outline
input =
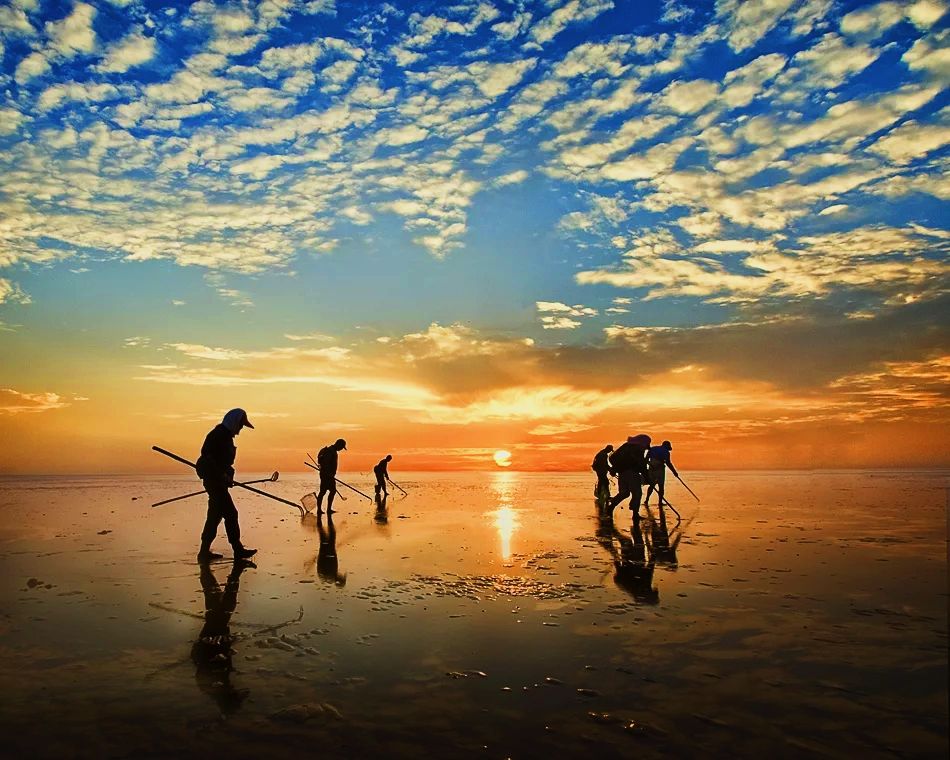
(487, 614)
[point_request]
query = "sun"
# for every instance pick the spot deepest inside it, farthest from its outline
(502, 458)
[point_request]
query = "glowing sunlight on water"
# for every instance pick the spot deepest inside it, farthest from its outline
(506, 516)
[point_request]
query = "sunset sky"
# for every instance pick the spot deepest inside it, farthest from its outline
(443, 229)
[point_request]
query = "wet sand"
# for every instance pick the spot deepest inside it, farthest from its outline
(487, 614)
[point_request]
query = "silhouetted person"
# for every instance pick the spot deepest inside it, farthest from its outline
(328, 564)
(382, 475)
(211, 652)
(658, 459)
(328, 459)
(215, 467)
(628, 462)
(633, 570)
(601, 467)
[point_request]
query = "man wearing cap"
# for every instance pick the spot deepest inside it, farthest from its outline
(328, 459)
(215, 467)
(658, 459)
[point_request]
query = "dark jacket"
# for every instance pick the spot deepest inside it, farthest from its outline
(216, 462)
(380, 469)
(328, 458)
(600, 463)
(629, 456)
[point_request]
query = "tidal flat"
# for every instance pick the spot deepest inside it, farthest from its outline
(489, 614)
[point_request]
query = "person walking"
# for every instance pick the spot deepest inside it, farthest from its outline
(382, 475)
(215, 467)
(328, 459)
(628, 463)
(658, 459)
(601, 467)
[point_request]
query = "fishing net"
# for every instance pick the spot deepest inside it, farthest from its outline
(309, 502)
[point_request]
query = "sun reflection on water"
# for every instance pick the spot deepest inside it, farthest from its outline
(506, 516)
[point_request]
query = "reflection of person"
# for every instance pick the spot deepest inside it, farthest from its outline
(664, 548)
(328, 564)
(211, 652)
(328, 459)
(382, 514)
(215, 467)
(601, 466)
(382, 475)
(629, 464)
(658, 459)
(633, 572)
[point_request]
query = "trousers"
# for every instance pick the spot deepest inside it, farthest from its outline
(220, 507)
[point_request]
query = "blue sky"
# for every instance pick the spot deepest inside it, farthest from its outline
(632, 180)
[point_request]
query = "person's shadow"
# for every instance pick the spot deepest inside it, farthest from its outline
(211, 652)
(328, 563)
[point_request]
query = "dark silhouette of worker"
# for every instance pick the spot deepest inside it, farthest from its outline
(601, 467)
(382, 475)
(212, 653)
(628, 463)
(658, 459)
(328, 564)
(328, 460)
(215, 467)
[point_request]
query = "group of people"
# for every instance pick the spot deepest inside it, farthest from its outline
(215, 467)
(635, 464)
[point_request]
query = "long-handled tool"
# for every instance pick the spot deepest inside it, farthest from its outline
(687, 488)
(404, 493)
(316, 467)
(271, 479)
(241, 485)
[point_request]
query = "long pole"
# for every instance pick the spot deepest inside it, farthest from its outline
(315, 467)
(271, 479)
(242, 485)
(687, 488)
(399, 487)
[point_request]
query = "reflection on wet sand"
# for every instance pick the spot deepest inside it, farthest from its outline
(506, 516)
(328, 563)
(211, 652)
(381, 517)
(634, 560)
(586, 643)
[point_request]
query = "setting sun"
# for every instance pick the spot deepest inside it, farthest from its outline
(502, 458)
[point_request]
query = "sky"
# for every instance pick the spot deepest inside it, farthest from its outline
(444, 229)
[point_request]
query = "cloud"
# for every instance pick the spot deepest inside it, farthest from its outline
(17, 402)
(132, 50)
(10, 292)
(571, 12)
(747, 21)
(912, 140)
(73, 34)
(689, 97)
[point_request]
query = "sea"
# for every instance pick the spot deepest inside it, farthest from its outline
(484, 614)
